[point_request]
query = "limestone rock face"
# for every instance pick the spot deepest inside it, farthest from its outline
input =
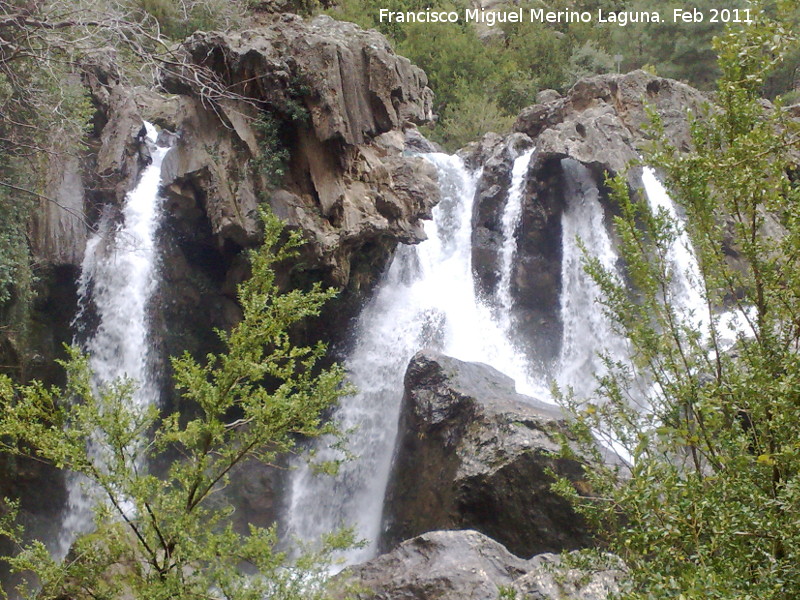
(359, 87)
(472, 453)
(459, 565)
(339, 98)
(602, 120)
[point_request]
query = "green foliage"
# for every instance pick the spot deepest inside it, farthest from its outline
(588, 60)
(13, 245)
(703, 502)
(676, 49)
(160, 537)
(179, 20)
(474, 115)
(272, 161)
(506, 593)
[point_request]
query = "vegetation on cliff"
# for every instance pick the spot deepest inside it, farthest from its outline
(705, 504)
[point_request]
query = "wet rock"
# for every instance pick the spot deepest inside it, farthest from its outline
(458, 565)
(486, 451)
(416, 142)
(491, 193)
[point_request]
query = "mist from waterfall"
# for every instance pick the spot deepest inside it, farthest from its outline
(427, 299)
(118, 278)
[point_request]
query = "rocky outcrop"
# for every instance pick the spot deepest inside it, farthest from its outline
(461, 565)
(336, 99)
(487, 452)
(602, 121)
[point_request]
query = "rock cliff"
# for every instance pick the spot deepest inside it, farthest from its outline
(337, 99)
(339, 105)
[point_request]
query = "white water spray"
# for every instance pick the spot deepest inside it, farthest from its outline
(510, 223)
(588, 330)
(686, 293)
(426, 299)
(118, 276)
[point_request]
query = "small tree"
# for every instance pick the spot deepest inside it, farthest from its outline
(705, 504)
(163, 537)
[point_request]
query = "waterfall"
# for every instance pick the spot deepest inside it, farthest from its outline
(587, 329)
(118, 277)
(427, 298)
(686, 294)
(510, 223)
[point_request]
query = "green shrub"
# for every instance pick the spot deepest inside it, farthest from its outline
(273, 155)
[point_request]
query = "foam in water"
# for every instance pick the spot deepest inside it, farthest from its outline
(118, 276)
(426, 299)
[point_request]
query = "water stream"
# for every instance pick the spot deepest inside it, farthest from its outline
(512, 213)
(427, 299)
(587, 329)
(118, 278)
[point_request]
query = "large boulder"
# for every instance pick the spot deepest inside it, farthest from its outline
(466, 565)
(472, 453)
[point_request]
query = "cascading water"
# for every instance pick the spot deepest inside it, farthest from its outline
(118, 277)
(510, 223)
(426, 299)
(587, 330)
(686, 294)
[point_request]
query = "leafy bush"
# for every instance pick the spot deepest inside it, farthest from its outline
(702, 503)
(274, 155)
(588, 60)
